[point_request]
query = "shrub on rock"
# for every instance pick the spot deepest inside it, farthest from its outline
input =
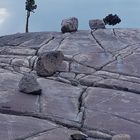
(112, 19)
(69, 25)
(48, 63)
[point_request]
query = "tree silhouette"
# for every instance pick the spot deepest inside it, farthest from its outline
(112, 19)
(30, 6)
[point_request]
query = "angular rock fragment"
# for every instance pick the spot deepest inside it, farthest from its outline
(48, 63)
(96, 24)
(69, 25)
(28, 84)
(121, 137)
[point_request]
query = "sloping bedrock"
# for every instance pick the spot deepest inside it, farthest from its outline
(129, 65)
(20, 127)
(94, 60)
(131, 36)
(108, 40)
(30, 40)
(60, 100)
(56, 134)
(11, 100)
(77, 43)
(112, 111)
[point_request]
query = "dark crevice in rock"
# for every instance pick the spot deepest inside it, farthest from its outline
(47, 42)
(114, 32)
(81, 106)
(39, 104)
(92, 33)
(60, 43)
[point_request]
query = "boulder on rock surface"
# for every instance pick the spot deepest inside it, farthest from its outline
(48, 63)
(96, 24)
(69, 25)
(121, 137)
(28, 84)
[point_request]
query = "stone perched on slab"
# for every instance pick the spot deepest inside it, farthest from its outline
(28, 84)
(78, 137)
(121, 137)
(69, 25)
(48, 63)
(96, 24)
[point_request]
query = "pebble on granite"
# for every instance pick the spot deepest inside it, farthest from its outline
(121, 137)
(78, 137)
(29, 85)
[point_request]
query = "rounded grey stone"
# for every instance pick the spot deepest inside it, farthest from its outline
(28, 84)
(121, 137)
(48, 63)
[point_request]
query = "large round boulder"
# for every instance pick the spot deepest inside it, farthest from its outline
(69, 25)
(29, 85)
(48, 63)
(96, 24)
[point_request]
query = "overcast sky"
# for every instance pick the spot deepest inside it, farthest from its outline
(49, 14)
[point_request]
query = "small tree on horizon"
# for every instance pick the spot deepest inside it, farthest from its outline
(112, 19)
(30, 6)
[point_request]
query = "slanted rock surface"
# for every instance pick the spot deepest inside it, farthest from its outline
(94, 92)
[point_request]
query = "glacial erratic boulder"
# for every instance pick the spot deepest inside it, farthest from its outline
(96, 24)
(69, 25)
(48, 63)
(29, 85)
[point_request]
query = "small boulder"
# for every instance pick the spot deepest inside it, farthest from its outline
(96, 24)
(48, 63)
(28, 84)
(121, 137)
(69, 25)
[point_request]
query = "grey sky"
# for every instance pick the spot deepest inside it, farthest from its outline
(49, 13)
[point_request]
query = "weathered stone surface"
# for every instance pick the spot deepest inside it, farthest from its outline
(95, 90)
(61, 133)
(119, 84)
(48, 63)
(28, 84)
(89, 80)
(11, 100)
(63, 95)
(127, 66)
(103, 113)
(19, 127)
(94, 60)
(121, 137)
(96, 24)
(69, 25)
